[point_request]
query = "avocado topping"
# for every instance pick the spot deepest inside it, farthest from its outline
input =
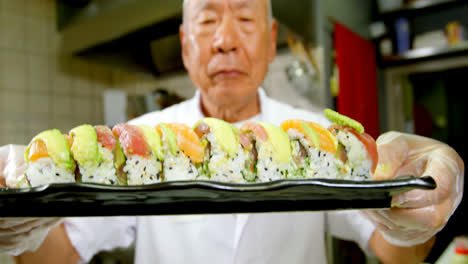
(85, 145)
(170, 138)
(225, 134)
(57, 148)
(340, 119)
(279, 140)
(311, 134)
(119, 156)
(153, 140)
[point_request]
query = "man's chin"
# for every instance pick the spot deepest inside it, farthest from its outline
(232, 94)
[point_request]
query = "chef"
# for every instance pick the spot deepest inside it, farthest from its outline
(227, 46)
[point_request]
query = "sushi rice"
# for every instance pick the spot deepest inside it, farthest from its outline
(359, 165)
(268, 168)
(178, 167)
(222, 167)
(317, 164)
(44, 171)
(142, 171)
(103, 172)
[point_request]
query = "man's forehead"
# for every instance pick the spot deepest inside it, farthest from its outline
(198, 5)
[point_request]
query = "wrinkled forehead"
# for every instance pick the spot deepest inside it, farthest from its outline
(195, 6)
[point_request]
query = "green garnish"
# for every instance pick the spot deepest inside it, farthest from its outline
(248, 175)
(340, 119)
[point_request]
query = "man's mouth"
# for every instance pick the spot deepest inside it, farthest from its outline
(228, 73)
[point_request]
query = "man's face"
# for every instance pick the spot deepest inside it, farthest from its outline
(227, 46)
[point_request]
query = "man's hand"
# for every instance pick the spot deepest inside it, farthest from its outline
(417, 215)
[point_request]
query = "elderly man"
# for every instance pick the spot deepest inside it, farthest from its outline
(226, 48)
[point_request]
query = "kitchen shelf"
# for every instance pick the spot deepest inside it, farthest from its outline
(424, 54)
(419, 7)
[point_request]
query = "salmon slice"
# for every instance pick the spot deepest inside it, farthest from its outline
(105, 137)
(38, 150)
(258, 130)
(366, 139)
(132, 140)
(187, 140)
(69, 140)
(327, 140)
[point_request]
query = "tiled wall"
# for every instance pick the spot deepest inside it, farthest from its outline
(39, 88)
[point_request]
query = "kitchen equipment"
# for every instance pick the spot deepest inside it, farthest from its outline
(303, 72)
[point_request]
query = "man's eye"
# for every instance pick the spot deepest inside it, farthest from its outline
(208, 21)
(245, 19)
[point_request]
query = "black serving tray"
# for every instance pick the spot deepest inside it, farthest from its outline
(203, 197)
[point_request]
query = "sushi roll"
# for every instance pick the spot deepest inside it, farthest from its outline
(97, 154)
(48, 160)
(184, 152)
(356, 148)
(270, 145)
(313, 151)
(224, 157)
(143, 152)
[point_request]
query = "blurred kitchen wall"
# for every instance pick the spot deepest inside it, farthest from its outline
(39, 87)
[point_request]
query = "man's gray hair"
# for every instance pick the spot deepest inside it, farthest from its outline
(270, 11)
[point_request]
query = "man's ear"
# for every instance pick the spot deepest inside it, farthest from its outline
(183, 45)
(273, 36)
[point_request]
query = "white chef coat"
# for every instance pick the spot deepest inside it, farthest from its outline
(225, 238)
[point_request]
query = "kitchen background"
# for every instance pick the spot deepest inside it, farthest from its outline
(54, 72)
(40, 87)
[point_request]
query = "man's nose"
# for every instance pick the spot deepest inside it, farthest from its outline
(226, 38)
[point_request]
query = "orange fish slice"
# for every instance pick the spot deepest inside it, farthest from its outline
(38, 150)
(187, 140)
(69, 140)
(327, 140)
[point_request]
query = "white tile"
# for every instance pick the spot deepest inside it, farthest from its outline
(81, 82)
(21, 138)
(3, 141)
(13, 71)
(62, 123)
(12, 30)
(14, 132)
(9, 137)
(83, 109)
(35, 127)
(36, 35)
(39, 104)
(38, 8)
(14, 6)
(60, 75)
(98, 111)
(38, 71)
(13, 102)
(100, 77)
(54, 39)
(61, 105)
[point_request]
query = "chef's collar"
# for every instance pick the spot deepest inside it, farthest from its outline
(258, 117)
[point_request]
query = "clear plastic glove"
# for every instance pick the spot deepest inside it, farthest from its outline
(18, 235)
(417, 215)
(12, 165)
